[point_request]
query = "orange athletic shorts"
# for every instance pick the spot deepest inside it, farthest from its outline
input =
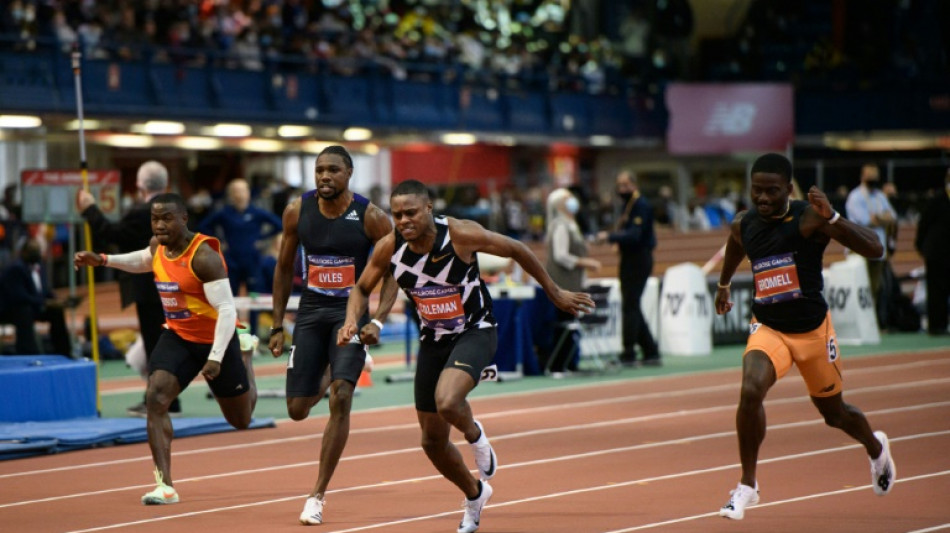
(815, 352)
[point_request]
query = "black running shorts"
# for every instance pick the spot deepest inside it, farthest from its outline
(470, 351)
(185, 359)
(314, 347)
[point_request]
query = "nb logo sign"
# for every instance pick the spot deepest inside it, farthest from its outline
(730, 119)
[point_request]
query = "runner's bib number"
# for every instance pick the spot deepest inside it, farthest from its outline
(776, 279)
(331, 275)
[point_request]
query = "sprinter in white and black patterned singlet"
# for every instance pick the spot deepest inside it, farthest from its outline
(433, 259)
(784, 241)
(336, 230)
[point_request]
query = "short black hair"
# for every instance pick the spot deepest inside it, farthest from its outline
(773, 164)
(169, 198)
(340, 151)
(412, 187)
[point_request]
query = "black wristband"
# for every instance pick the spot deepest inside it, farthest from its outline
(279, 329)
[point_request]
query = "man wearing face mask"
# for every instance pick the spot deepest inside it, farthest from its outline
(566, 264)
(635, 238)
(868, 206)
(26, 298)
(933, 234)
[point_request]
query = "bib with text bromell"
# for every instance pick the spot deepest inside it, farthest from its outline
(776, 279)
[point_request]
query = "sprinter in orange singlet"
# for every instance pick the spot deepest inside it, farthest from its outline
(200, 322)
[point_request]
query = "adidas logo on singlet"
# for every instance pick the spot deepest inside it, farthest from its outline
(352, 216)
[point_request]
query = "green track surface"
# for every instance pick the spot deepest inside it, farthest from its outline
(382, 394)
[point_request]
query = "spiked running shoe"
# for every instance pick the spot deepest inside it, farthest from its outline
(743, 496)
(162, 494)
(312, 514)
(484, 455)
(883, 472)
(473, 510)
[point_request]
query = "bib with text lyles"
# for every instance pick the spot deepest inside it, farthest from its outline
(776, 279)
(440, 307)
(331, 275)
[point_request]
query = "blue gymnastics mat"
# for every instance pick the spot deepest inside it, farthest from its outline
(23, 439)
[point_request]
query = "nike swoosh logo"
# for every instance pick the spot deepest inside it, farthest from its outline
(168, 495)
(441, 257)
(456, 363)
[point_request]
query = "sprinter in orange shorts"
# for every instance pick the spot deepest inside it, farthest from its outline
(785, 241)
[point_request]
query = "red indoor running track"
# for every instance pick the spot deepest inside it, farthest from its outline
(628, 455)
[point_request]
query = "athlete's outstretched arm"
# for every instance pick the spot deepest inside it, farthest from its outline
(376, 268)
(734, 255)
(470, 237)
(284, 274)
(823, 218)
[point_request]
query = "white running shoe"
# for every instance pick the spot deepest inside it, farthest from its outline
(473, 510)
(883, 472)
(743, 496)
(162, 494)
(312, 514)
(484, 455)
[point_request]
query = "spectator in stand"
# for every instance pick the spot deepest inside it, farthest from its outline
(243, 226)
(566, 263)
(868, 206)
(26, 298)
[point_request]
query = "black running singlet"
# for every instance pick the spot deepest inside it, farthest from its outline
(335, 251)
(786, 268)
(449, 293)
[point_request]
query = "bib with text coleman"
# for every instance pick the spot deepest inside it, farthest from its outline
(331, 275)
(776, 279)
(440, 307)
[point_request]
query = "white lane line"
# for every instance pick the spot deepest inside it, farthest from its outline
(781, 502)
(386, 453)
(549, 496)
(500, 414)
(941, 527)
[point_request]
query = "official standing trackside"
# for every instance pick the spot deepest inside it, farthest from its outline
(635, 238)
(131, 233)
(785, 241)
(433, 259)
(201, 321)
(337, 229)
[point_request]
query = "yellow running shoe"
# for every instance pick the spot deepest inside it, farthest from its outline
(162, 494)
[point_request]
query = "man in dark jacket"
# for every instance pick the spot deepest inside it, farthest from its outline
(26, 298)
(635, 239)
(933, 234)
(132, 233)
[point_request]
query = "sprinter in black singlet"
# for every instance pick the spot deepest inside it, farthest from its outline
(785, 241)
(433, 259)
(337, 229)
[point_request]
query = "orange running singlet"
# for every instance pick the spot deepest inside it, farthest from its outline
(187, 311)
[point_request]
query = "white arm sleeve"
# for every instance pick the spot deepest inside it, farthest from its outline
(135, 262)
(219, 296)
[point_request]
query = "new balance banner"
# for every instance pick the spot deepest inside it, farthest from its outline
(713, 118)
